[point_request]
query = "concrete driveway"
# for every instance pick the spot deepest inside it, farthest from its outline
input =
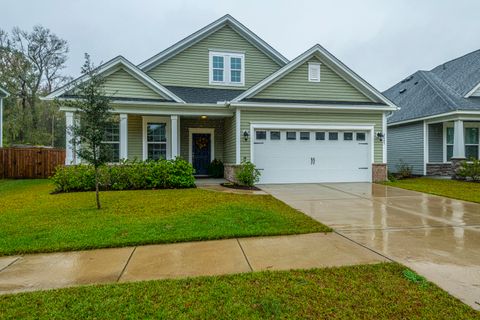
(436, 236)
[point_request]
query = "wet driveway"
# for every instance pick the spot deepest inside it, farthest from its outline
(437, 237)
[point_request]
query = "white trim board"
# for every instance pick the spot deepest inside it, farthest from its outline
(166, 120)
(446, 114)
(210, 131)
(471, 92)
(324, 56)
(251, 105)
(112, 66)
(205, 32)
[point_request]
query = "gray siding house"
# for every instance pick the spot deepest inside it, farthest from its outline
(439, 117)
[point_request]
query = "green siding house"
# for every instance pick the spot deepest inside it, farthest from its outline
(223, 93)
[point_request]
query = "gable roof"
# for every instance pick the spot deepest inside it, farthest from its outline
(443, 89)
(205, 32)
(333, 62)
(3, 93)
(112, 66)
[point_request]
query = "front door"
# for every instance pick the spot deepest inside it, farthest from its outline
(201, 152)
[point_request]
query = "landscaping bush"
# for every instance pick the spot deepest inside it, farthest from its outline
(248, 174)
(470, 170)
(162, 174)
(404, 170)
(215, 169)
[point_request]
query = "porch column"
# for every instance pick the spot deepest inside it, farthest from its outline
(70, 154)
(174, 136)
(123, 136)
(458, 140)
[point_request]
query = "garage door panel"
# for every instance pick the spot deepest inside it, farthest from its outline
(297, 161)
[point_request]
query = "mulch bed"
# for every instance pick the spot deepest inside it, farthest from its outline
(240, 187)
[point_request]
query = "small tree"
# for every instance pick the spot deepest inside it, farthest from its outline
(93, 110)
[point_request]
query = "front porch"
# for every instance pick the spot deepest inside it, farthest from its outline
(199, 139)
(449, 142)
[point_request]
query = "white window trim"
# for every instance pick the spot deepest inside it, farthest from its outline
(115, 142)
(314, 65)
(165, 120)
(465, 125)
(211, 131)
(226, 68)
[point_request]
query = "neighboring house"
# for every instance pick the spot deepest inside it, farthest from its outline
(3, 94)
(224, 93)
(439, 117)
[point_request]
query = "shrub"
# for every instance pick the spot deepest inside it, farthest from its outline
(470, 169)
(248, 174)
(215, 169)
(126, 176)
(404, 170)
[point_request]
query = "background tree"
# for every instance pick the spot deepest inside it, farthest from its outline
(30, 66)
(93, 111)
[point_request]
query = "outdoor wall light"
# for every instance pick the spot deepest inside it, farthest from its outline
(203, 117)
(245, 135)
(380, 136)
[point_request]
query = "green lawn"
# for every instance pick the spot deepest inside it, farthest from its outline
(455, 189)
(359, 292)
(33, 220)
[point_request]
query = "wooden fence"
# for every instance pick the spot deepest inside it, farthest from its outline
(29, 163)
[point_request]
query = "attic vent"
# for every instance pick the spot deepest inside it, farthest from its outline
(402, 91)
(416, 82)
(314, 72)
(407, 79)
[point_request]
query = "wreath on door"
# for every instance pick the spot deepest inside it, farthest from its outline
(201, 143)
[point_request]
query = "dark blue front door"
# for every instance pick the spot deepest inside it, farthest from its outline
(201, 152)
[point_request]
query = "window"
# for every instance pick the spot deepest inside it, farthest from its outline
(218, 68)
(156, 141)
(348, 136)
(235, 70)
(471, 143)
(319, 135)
(304, 135)
(449, 143)
(333, 136)
(260, 135)
(111, 142)
(291, 135)
(274, 135)
(314, 72)
(361, 136)
(227, 68)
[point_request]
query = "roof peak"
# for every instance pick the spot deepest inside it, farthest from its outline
(202, 33)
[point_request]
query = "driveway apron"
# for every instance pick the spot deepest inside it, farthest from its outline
(436, 236)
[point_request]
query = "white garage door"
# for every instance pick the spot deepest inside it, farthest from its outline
(305, 156)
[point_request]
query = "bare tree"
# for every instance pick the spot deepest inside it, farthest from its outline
(30, 64)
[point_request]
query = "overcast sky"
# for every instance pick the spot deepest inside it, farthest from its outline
(382, 40)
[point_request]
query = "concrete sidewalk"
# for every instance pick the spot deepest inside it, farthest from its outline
(205, 258)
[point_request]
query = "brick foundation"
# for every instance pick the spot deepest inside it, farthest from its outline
(439, 169)
(379, 172)
(456, 166)
(229, 172)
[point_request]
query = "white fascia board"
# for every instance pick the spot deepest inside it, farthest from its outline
(311, 126)
(452, 113)
(4, 92)
(317, 49)
(205, 32)
(112, 66)
(251, 105)
(477, 87)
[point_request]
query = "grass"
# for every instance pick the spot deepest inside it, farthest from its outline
(33, 220)
(455, 189)
(378, 291)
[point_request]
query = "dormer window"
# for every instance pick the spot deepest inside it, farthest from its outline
(314, 72)
(227, 68)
